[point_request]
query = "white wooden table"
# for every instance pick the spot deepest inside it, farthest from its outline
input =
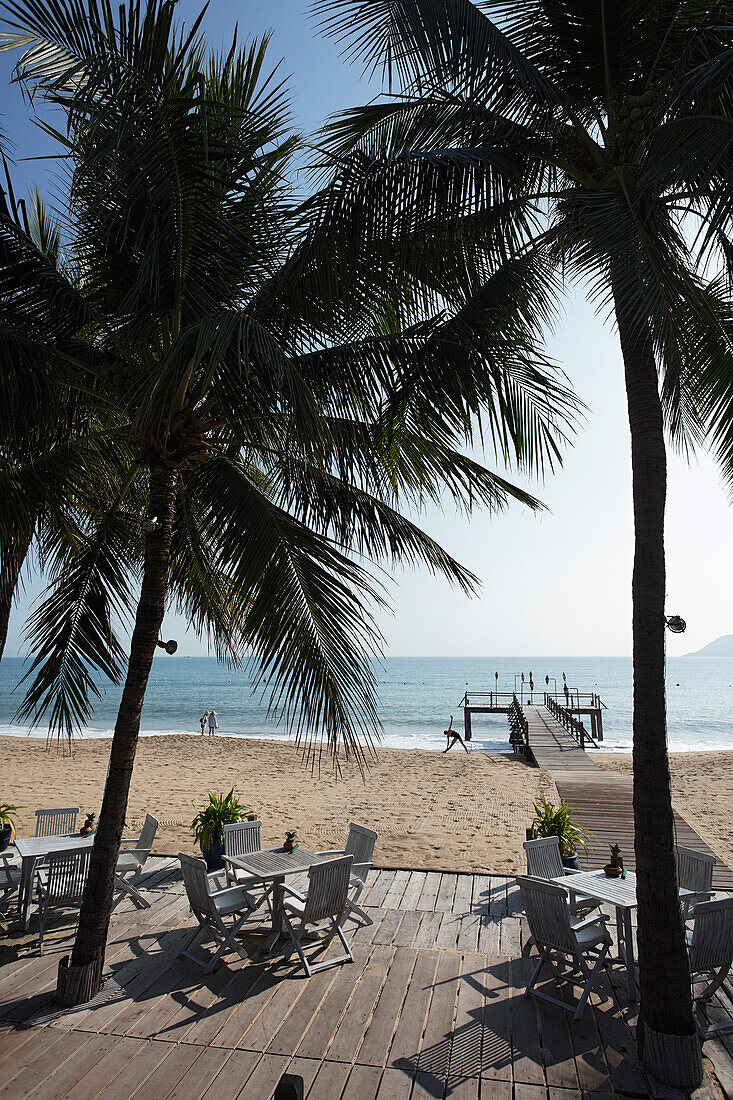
(621, 893)
(34, 848)
(274, 865)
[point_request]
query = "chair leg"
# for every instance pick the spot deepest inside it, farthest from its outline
(357, 910)
(535, 976)
(40, 927)
(344, 941)
(295, 937)
(127, 888)
(715, 985)
(591, 975)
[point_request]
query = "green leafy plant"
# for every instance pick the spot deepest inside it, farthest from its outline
(222, 809)
(551, 820)
(8, 816)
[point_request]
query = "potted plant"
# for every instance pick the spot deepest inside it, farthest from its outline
(208, 825)
(8, 817)
(551, 820)
(615, 865)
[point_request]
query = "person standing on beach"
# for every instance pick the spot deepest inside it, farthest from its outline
(453, 736)
(213, 724)
(204, 718)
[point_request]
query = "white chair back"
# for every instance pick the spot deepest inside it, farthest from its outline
(543, 857)
(196, 883)
(67, 875)
(147, 837)
(694, 869)
(328, 889)
(360, 844)
(242, 838)
(548, 913)
(56, 822)
(712, 935)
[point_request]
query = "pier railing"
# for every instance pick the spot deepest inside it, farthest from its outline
(572, 724)
(518, 727)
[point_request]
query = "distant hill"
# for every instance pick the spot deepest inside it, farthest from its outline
(721, 647)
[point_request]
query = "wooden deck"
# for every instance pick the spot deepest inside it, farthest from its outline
(604, 801)
(433, 1007)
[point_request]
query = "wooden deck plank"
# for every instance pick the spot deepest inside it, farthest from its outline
(39, 1062)
(411, 1024)
(350, 1031)
(526, 1050)
(147, 1059)
(429, 893)
(203, 1073)
(393, 896)
(464, 894)
(405, 934)
(489, 935)
(363, 1083)
(264, 1077)
(381, 1028)
(288, 1035)
(379, 891)
(467, 1046)
(388, 928)
(446, 894)
(427, 933)
(497, 1041)
(480, 894)
(395, 1085)
(228, 1079)
(64, 1080)
(413, 890)
(330, 1081)
(317, 1038)
(169, 1073)
(435, 1049)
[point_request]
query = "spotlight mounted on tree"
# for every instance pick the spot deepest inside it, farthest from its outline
(676, 624)
(170, 647)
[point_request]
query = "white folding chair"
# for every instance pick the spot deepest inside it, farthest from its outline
(61, 884)
(56, 822)
(544, 861)
(695, 873)
(9, 880)
(241, 839)
(557, 936)
(321, 909)
(710, 947)
(211, 908)
(359, 844)
(131, 861)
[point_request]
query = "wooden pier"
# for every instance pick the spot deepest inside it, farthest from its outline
(577, 704)
(603, 800)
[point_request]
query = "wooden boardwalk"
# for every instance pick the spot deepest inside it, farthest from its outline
(432, 1007)
(604, 801)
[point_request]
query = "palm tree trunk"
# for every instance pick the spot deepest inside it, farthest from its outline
(13, 558)
(666, 1031)
(96, 906)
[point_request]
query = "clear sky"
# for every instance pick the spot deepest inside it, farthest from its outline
(558, 583)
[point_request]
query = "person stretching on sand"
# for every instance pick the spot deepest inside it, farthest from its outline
(453, 736)
(204, 718)
(213, 724)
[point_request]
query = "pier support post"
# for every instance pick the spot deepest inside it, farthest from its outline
(467, 723)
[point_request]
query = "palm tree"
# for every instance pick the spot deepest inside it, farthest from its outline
(601, 134)
(270, 406)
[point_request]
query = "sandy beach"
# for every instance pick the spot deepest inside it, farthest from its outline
(453, 812)
(702, 790)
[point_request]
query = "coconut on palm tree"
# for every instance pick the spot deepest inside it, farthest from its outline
(271, 402)
(599, 134)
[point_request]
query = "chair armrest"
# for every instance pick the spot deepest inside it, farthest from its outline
(572, 871)
(226, 890)
(360, 866)
(135, 851)
(597, 918)
(295, 893)
(332, 852)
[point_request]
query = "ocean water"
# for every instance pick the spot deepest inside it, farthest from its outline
(417, 696)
